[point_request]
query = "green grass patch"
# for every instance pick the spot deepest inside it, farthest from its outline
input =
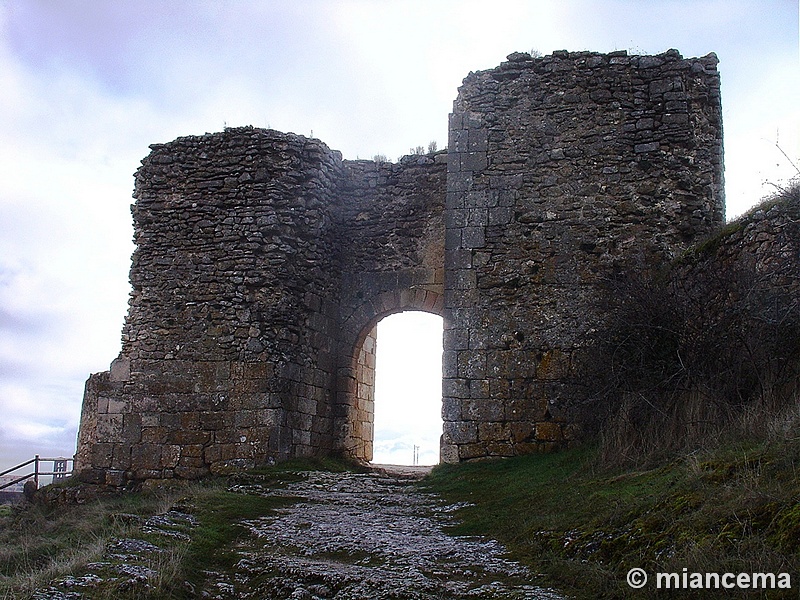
(583, 527)
(219, 511)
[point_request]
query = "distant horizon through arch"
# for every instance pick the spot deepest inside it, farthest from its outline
(408, 389)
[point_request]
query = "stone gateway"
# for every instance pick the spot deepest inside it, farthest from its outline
(264, 261)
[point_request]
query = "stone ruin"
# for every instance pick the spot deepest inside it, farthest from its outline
(264, 261)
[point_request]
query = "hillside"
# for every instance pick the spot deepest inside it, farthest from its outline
(735, 509)
(568, 522)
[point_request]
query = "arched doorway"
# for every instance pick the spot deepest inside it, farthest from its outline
(408, 389)
(354, 410)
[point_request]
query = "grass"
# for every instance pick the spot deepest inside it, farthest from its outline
(40, 543)
(734, 509)
(212, 546)
(581, 526)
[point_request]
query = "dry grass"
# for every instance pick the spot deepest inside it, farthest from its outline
(41, 543)
(689, 362)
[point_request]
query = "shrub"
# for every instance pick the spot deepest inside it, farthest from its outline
(687, 352)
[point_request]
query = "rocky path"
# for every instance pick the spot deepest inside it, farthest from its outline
(366, 536)
(342, 536)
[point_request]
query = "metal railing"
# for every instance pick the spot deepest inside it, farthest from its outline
(61, 470)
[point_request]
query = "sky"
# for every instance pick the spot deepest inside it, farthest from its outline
(408, 384)
(86, 86)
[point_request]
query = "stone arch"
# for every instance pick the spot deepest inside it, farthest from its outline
(355, 396)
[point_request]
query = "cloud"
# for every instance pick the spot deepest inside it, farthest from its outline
(87, 85)
(37, 419)
(400, 450)
(64, 248)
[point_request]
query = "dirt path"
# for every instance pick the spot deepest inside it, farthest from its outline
(365, 536)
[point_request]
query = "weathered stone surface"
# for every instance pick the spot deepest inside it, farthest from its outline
(263, 264)
(264, 261)
(390, 544)
(582, 162)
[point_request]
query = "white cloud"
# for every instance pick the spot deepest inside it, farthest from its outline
(87, 85)
(758, 113)
(415, 55)
(64, 249)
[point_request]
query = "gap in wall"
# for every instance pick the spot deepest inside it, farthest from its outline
(408, 389)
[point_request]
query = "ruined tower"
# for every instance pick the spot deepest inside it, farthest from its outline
(264, 261)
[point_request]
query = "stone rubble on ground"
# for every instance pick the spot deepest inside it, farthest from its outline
(349, 536)
(128, 564)
(366, 536)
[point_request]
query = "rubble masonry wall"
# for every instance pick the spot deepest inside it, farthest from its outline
(264, 261)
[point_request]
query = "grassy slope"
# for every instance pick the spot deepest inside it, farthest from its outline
(40, 543)
(731, 510)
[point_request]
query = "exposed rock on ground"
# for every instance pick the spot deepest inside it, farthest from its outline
(346, 536)
(366, 536)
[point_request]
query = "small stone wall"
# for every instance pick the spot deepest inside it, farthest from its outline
(765, 241)
(744, 281)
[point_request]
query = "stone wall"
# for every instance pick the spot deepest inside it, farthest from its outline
(391, 255)
(764, 242)
(710, 346)
(264, 262)
(561, 170)
(228, 354)
(257, 255)
(739, 289)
